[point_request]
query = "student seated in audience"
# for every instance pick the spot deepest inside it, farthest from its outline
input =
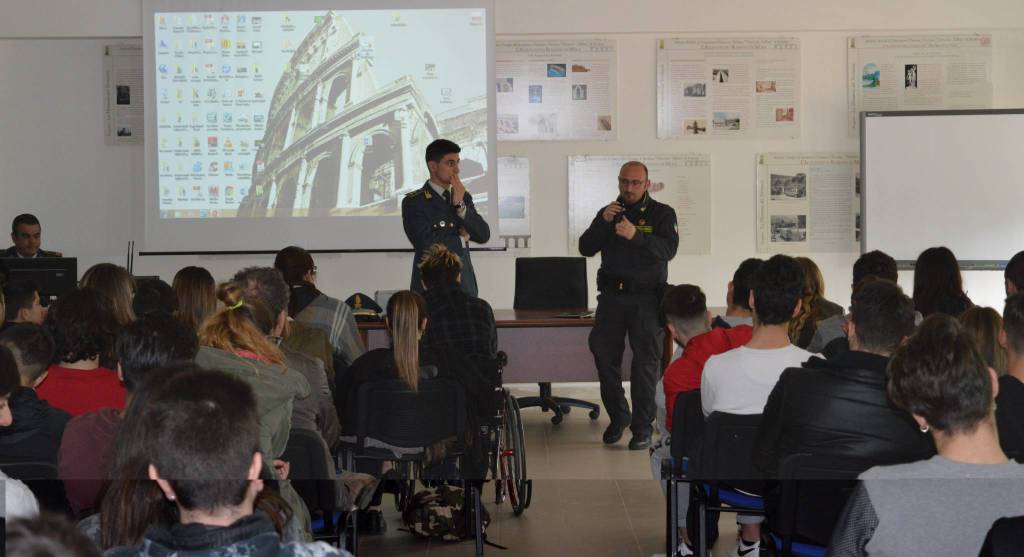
(153, 296)
(946, 504)
(830, 335)
(117, 284)
(84, 460)
(737, 296)
(986, 324)
(47, 535)
(838, 407)
(688, 320)
(37, 428)
(456, 320)
(315, 412)
(938, 286)
(740, 380)
(235, 340)
(1013, 275)
(197, 296)
(814, 308)
(22, 304)
(310, 306)
(1010, 402)
(203, 448)
(83, 328)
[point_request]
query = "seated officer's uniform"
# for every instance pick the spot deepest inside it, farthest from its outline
(429, 218)
(13, 252)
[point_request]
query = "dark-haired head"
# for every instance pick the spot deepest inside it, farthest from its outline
(685, 309)
(882, 316)
(22, 303)
(742, 280)
(776, 291)
(197, 295)
(938, 285)
(47, 535)
(985, 325)
(32, 347)
(265, 284)
(204, 441)
(876, 263)
(1013, 323)
(941, 377)
(1013, 275)
(439, 148)
(152, 296)
(153, 341)
(9, 382)
(118, 285)
(82, 325)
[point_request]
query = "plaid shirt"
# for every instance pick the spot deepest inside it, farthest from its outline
(458, 321)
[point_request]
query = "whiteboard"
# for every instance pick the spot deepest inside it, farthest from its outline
(949, 178)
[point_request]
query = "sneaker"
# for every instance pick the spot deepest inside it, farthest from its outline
(743, 549)
(613, 433)
(640, 441)
(682, 551)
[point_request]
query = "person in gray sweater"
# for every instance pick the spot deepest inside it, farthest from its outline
(944, 505)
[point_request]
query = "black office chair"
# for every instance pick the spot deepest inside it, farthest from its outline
(723, 478)
(813, 492)
(556, 283)
(389, 412)
(310, 474)
(41, 480)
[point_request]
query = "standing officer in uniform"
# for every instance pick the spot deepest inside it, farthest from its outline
(636, 236)
(442, 212)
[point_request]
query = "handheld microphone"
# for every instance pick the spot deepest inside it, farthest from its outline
(619, 216)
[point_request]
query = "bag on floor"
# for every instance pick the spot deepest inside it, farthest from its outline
(439, 512)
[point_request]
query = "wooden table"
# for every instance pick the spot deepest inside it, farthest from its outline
(541, 346)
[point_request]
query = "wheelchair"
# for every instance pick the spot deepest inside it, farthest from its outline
(507, 458)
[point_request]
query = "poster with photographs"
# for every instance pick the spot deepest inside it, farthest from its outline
(918, 72)
(123, 105)
(556, 89)
(728, 87)
(808, 202)
(681, 181)
(514, 201)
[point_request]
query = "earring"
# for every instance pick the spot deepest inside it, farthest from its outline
(924, 428)
(171, 498)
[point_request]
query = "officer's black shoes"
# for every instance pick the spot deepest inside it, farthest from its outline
(613, 433)
(640, 441)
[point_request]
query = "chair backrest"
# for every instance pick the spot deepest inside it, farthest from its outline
(309, 460)
(389, 411)
(687, 425)
(551, 283)
(814, 492)
(1005, 538)
(727, 447)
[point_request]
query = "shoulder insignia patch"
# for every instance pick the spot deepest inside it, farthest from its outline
(414, 193)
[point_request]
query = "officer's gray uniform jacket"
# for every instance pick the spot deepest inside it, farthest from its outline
(429, 220)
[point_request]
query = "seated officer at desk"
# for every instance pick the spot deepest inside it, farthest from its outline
(636, 237)
(26, 235)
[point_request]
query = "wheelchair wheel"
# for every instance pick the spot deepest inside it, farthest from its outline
(512, 455)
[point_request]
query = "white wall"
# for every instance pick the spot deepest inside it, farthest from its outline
(89, 196)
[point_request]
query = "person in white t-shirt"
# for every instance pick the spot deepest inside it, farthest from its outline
(740, 380)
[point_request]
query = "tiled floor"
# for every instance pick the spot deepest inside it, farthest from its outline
(588, 499)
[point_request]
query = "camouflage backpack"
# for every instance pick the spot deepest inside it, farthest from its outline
(437, 512)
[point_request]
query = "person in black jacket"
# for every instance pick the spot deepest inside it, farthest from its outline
(636, 236)
(36, 429)
(1010, 398)
(839, 407)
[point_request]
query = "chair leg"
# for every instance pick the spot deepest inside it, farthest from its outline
(671, 532)
(699, 537)
(478, 520)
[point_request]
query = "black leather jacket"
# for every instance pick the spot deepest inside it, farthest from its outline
(837, 407)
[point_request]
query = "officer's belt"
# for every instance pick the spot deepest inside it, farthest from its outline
(610, 283)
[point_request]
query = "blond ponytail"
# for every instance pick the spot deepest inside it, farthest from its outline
(406, 310)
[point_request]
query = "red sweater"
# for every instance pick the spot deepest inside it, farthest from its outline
(86, 451)
(684, 374)
(79, 391)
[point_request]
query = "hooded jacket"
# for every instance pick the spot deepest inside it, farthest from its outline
(35, 431)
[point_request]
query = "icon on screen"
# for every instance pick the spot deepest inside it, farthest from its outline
(211, 117)
(258, 95)
(286, 44)
(227, 118)
(227, 166)
(208, 18)
(256, 45)
(286, 19)
(197, 166)
(225, 19)
(256, 69)
(228, 144)
(177, 45)
(214, 167)
(225, 44)
(195, 44)
(229, 191)
(204, 213)
(241, 94)
(211, 94)
(195, 142)
(177, 20)
(213, 192)
(257, 20)
(241, 19)
(162, 68)
(210, 69)
(211, 141)
(258, 118)
(244, 144)
(163, 43)
(225, 68)
(161, 20)
(208, 43)
(239, 44)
